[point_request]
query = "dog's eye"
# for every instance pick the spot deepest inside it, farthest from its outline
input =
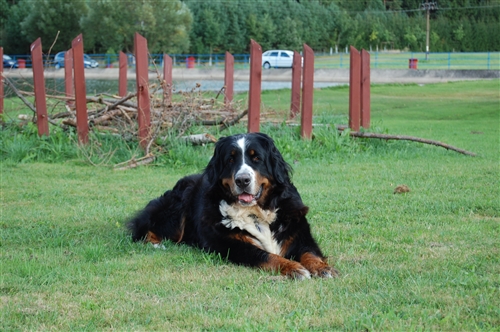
(256, 159)
(231, 160)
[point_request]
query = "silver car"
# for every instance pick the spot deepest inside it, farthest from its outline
(277, 59)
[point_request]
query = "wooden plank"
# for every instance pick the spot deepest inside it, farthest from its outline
(354, 89)
(39, 84)
(167, 77)
(68, 77)
(228, 79)
(296, 79)
(122, 74)
(365, 89)
(254, 96)
(142, 81)
(82, 126)
(307, 93)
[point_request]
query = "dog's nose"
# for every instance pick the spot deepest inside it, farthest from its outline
(242, 180)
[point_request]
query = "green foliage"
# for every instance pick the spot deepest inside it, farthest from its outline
(217, 26)
(54, 21)
(112, 24)
(21, 144)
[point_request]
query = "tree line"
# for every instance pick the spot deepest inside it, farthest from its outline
(216, 26)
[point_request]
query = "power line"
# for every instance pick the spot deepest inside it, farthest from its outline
(252, 2)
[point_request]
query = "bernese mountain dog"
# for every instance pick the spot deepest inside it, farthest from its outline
(243, 206)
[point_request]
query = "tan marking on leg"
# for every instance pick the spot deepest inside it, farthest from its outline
(285, 245)
(243, 238)
(317, 266)
(286, 267)
(153, 238)
(180, 233)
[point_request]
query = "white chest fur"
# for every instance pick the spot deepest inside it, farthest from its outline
(254, 220)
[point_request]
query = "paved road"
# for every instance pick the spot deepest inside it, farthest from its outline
(284, 75)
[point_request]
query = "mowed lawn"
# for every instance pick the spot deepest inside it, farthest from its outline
(423, 260)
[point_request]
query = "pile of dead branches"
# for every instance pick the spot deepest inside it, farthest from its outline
(118, 115)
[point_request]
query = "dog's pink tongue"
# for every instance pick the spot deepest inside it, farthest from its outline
(247, 198)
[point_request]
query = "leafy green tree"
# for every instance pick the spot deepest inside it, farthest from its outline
(112, 25)
(234, 29)
(4, 15)
(54, 21)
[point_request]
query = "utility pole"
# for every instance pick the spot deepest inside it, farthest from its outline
(428, 6)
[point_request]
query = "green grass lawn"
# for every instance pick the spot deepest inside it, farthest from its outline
(425, 260)
(399, 60)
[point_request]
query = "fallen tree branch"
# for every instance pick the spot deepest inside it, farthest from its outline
(225, 125)
(199, 139)
(409, 138)
(133, 163)
(117, 103)
(19, 94)
(30, 105)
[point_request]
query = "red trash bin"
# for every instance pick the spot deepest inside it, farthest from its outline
(412, 63)
(190, 62)
(21, 63)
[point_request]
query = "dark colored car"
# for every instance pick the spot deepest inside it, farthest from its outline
(88, 62)
(8, 62)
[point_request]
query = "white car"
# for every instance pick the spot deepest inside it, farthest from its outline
(277, 59)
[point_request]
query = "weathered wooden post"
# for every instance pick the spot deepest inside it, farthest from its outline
(307, 93)
(142, 80)
(296, 79)
(68, 77)
(39, 84)
(354, 89)
(254, 92)
(122, 74)
(167, 78)
(82, 126)
(365, 89)
(228, 79)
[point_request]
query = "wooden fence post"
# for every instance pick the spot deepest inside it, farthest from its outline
(228, 79)
(39, 83)
(1, 82)
(167, 78)
(354, 89)
(365, 89)
(254, 96)
(307, 93)
(142, 80)
(82, 126)
(122, 74)
(296, 79)
(68, 77)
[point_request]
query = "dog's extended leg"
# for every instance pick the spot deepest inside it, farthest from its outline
(286, 267)
(317, 266)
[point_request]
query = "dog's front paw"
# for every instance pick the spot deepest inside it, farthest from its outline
(286, 267)
(317, 266)
(295, 271)
(326, 272)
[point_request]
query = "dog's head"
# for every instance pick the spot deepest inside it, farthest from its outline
(247, 166)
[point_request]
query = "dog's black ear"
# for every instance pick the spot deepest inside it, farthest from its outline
(279, 168)
(214, 167)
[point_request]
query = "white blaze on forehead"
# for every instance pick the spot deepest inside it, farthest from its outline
(244, 168)
(242, 144)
